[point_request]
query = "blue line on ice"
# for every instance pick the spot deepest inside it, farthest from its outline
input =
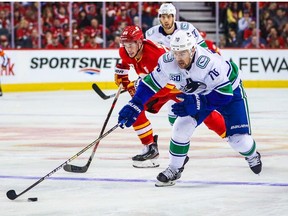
(279, 184)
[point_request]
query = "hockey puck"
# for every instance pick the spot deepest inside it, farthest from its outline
(32, 199)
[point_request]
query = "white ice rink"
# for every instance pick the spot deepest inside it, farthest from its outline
(41, 130)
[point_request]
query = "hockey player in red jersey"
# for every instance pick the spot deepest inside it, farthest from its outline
(143, 55)
(4, 63)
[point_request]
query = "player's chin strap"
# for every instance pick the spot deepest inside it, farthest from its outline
(138, 50)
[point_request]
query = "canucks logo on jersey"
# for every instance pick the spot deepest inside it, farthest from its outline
(193, 87)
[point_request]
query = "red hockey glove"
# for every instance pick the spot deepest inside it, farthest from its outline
(121, 75)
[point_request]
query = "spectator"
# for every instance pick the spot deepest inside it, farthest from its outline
(243, 23)
(47, 18)
(285, 31)
(23, 35)
(136, 21)
(116, 41)
(62, 15)
(272, 8)
(34, 38)
(83, 20)
(280, 19)
(253, 43)
(232, 39)
(147, 19)
(223, 14)
(55, 43)
(91, 43)
(268, 24)
(76, 10)
(273, 40)
(249, 6)
(222, 42)
(122, 17)
(4, 23)
(254, 33)
(248, 32)
(234, 13)
(4, 43)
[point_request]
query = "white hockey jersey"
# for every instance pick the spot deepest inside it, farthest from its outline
(157, 33)
(208, 72)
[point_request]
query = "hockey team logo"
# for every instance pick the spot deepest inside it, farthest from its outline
(91, 71)
(202, 61)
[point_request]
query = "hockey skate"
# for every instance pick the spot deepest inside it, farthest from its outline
(170, 175)
(255, 163)
(148, 157)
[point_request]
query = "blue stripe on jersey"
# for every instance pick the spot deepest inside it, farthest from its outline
(230, 69)
(222, 85)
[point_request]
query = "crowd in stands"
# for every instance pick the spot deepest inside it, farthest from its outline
(237, 21)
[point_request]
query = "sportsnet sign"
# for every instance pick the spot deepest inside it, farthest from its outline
(38, 66)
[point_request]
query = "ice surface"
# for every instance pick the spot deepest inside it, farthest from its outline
(41, 130)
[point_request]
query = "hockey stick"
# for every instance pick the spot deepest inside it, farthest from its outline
(102, 94)
(11, 194)
(1, 93)
(83, 169)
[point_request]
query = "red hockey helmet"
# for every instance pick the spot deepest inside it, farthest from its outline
(131, 33)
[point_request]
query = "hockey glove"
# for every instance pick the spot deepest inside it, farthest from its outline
(4, 59)
(130, 112)
(131, 88)
(121, 75)
(190, 105)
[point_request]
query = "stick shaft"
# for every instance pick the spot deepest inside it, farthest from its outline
(70, 159)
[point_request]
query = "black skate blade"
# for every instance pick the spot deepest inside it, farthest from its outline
(164, 184)
(153, 163)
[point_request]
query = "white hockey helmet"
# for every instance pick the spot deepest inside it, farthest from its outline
(167, 8)
(182, 40)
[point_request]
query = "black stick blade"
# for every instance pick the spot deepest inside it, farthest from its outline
(11, 194)
(100, 92)
(75, 169)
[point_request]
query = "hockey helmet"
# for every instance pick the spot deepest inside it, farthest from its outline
(131, 33)
(182, 40)
(167, 8)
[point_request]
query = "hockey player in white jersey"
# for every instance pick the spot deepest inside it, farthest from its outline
(168, 26)
(162, 34)
(208, 83)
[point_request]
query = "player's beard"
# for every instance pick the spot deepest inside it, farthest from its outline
(167, 26)
(182, 64)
